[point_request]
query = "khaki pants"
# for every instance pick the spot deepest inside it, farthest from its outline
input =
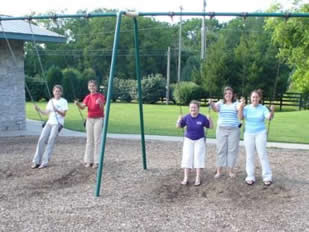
(94, 130)
(227, 146)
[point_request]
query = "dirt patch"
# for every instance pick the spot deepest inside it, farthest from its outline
(62, 196)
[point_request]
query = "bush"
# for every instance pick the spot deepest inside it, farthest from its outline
(153, 88)
(186, 91)
(71, 84)
(54, 77)
(125, 88)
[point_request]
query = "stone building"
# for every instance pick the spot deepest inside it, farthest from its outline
(12, 77)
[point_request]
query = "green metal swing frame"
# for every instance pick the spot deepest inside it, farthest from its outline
(134, 15)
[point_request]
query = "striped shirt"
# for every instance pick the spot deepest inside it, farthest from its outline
(255, 118)
(227, 114)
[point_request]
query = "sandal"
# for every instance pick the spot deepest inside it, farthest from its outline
(218, 175)
(232, 175)
(184, 182)
(197, 182)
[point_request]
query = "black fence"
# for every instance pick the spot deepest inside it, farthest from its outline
(290, 99)
(287, 99)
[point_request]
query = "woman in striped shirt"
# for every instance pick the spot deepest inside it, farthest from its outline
(228, 132)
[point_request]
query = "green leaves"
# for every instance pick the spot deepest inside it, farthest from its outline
(292, 38)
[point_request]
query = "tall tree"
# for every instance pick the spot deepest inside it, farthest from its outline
(292, 36)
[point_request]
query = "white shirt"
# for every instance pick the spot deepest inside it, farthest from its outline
(61, 105)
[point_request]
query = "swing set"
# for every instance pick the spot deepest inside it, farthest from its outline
(134, 16)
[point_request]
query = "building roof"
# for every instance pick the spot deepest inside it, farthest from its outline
(20, 30)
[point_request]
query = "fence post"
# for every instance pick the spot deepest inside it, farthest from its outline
(281, 96)
(300, 101)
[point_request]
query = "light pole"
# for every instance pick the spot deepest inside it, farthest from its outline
(179, 47)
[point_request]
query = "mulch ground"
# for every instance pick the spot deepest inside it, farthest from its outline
(62, 196)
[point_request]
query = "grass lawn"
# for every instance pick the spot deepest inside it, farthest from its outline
(292, 126)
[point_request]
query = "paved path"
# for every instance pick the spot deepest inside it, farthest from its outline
(34, 128)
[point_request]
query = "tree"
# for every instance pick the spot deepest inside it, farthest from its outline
(292, 36)
(244, 58)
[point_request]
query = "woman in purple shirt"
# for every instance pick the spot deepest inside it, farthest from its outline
(194, 147)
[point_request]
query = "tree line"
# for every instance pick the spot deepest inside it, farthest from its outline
(267, 53)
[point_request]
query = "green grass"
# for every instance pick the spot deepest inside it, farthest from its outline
(292, 127)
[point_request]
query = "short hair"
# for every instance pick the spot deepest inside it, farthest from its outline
(92, 82)
(195, 102)
(58, 87)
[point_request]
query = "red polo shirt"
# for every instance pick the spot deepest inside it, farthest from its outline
(94, 110)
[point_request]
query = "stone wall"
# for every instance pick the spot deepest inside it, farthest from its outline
(12, 90)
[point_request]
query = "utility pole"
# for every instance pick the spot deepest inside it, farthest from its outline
(168, 73)
(179, 46)
(203, 34)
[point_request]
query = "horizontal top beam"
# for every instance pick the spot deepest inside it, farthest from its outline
(113, 14)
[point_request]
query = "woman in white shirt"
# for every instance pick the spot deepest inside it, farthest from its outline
(56, 110)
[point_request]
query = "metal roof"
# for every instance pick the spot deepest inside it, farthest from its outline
(21, 30)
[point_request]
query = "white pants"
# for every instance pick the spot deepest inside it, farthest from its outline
(193, 155)
(94, 130)
(257, 142)
(47, 138)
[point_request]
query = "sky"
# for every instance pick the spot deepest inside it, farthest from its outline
(26, 7)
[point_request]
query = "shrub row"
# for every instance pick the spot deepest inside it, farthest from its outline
(75, 87)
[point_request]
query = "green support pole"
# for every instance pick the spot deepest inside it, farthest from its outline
(108, 100)
(139, 84)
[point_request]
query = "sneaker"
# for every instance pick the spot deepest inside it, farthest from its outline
(35, 166)
(87, 165)
(95, 166)
(43, 166)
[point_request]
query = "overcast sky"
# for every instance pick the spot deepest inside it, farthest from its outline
(26, 7)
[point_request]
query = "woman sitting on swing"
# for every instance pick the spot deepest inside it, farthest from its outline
(56, 110)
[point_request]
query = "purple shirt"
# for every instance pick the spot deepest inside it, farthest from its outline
(195, 126)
